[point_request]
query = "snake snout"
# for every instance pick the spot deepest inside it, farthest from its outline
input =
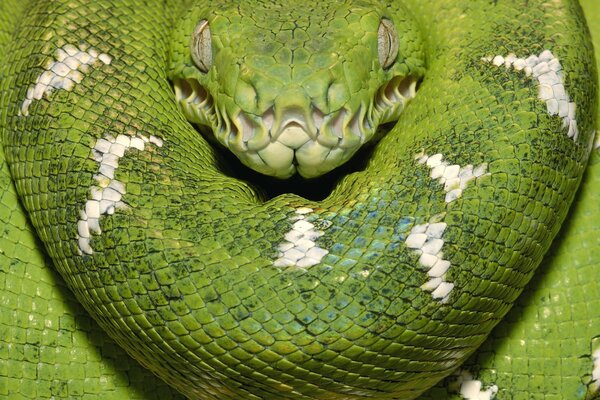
(285, 140)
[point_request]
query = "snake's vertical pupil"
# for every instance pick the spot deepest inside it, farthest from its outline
(201, 46)
(387, 43)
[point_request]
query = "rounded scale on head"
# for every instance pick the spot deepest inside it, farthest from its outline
(291, 88)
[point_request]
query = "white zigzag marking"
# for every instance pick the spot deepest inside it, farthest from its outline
(454, 177)
(106, 197)
(548, 71)
(299, 249)
(63, 72)
(427, 239)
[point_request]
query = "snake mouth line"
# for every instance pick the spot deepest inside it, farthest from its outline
(280, 142)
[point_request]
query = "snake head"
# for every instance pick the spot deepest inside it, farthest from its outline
(289, 89)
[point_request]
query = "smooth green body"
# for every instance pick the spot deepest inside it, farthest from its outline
(185, 276)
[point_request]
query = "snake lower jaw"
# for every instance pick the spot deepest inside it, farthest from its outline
(295, 139)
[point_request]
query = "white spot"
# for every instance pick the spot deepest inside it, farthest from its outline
(304, 210)
(471, 389)
(498, 61)
(156, 141)
(596, 140)
(63, 72)
(426, 240)
(548, 71)
(454, 177)
(106, 196)
(596, 371)
(299, 248)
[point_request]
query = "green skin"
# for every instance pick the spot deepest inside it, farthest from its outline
(185, 276)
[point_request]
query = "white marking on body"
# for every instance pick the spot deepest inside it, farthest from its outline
(471, 388)
(106, 197)
(426, 240)
(596, 372)
(454, 177)
(64, 72)
(596, 140)
(299, 248)
(547, 70)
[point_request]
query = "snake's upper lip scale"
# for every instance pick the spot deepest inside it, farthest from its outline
(296, 126)
(295, 138)
(335, 129)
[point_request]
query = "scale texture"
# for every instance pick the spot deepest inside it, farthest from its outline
(130, 250)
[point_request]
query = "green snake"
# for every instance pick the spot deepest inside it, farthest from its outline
(414, 162)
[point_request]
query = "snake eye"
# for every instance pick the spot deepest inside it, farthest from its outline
(201, 46)
(387, 43)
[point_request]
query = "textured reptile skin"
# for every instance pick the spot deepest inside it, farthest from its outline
(186, 273)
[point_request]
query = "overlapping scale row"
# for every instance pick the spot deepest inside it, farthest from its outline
(188, 277)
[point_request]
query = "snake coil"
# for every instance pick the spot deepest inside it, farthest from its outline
(380, 290)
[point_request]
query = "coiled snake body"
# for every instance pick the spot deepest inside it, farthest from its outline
(226, 291)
